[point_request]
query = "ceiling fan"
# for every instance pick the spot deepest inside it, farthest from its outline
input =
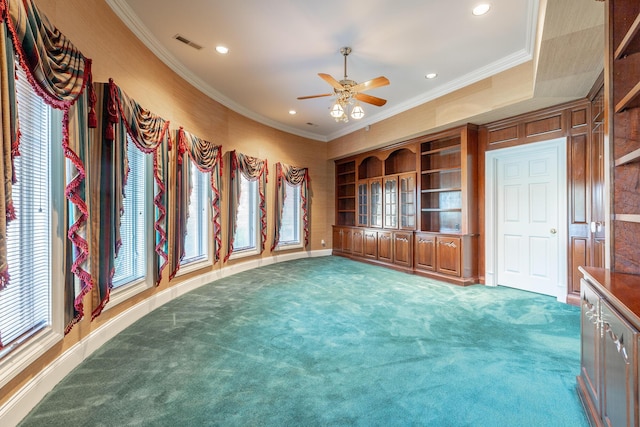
(348, 92)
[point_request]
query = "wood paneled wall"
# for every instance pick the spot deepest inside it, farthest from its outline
(573, 121)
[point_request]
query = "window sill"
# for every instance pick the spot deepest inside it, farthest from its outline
(286, 247)
(244, 253)
(126, 292)
(20, 358)
(194, 266)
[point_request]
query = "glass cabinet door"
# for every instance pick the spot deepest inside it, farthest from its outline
(408, 202)
(363, 204)
(390, 203)
(375, 217)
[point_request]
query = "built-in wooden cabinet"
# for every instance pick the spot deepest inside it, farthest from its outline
(608, 380)
(448, 207)
(610, 298)
(399, 192)
(622, 73)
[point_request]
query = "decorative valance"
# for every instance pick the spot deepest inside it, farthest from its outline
(296, 177)
(252, 169)
(117, 115)
(59, 74)
(207, 157)
(150, 133)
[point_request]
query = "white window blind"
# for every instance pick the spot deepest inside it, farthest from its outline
(25, 304)
(130, 265)
(291, 216)
(196, 247)
(247, 219)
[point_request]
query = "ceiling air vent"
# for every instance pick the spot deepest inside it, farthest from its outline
(187, 41)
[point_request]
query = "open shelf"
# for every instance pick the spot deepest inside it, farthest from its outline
(627, 217)
(634, 156)
(441, 190)
(449, 149)
(630, 100)
(441, 170)
(631, 41)
(346, 193)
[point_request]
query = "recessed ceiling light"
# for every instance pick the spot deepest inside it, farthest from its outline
(222, 49)
(481, 9)
(430, 76)
(292, 112)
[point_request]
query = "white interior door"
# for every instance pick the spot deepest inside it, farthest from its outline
(528, 218)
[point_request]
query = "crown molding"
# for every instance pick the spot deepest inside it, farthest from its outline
(131, 20)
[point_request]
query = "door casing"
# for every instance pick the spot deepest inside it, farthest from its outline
(491, 160)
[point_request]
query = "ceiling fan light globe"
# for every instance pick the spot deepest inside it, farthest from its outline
(337, 111)
(357, 113)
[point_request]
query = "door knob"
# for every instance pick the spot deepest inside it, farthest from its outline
(553, 231)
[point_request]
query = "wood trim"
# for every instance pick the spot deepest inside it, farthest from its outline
(540, 125)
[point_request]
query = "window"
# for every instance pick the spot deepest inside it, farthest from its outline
(247, 229)
(291, 225)
(196, 243)
(30, 307)
(131, 262)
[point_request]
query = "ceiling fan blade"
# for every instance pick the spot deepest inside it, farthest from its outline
(371, 99)
(315, 96)
(333, 82)
(371, 84)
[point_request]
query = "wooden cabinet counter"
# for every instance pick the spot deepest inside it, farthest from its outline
(609, 364)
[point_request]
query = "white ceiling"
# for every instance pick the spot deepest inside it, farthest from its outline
(278, 47)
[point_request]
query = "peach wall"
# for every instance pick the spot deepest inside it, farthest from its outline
(117, 53)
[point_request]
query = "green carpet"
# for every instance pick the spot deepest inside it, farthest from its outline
(332, 342)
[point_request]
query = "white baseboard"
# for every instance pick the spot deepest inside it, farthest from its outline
(23, 401)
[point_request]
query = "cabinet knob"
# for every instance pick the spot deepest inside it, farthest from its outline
(553, 231)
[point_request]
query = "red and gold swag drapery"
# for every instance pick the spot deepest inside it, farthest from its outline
(207, 157)
(59, 74)
(296, 177)
(253, 169)
(117, 116)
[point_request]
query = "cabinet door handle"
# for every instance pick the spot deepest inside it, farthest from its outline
(590, 311)
(428, 242)
(448, 244)
(402, 239)
(618, 341)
